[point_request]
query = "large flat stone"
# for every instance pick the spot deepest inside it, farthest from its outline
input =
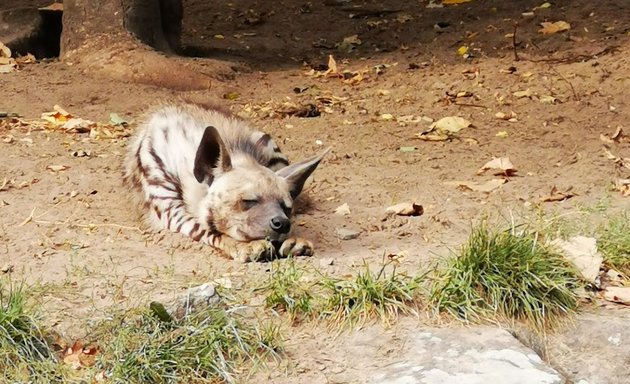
(466, 356)
(412, 353)
(595, 349)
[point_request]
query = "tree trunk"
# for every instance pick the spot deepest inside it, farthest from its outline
(119, 38)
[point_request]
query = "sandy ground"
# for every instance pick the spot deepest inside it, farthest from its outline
(76, 234)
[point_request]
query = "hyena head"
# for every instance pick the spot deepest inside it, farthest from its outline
(246, 200)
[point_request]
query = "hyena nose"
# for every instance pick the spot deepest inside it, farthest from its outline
(280, 224)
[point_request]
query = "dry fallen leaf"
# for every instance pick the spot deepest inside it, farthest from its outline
(582, 252)
(556, 195)
(511, 116)
(433, 136)
(386, 117)
(617, 137)
(343, 209)
(332, 65)
(558, 26)
(546, 99)
(78, 125)
(57, 168)
(623, 162)
(406, 209)
(397, 257)
(623, 186)
(487, 186)
(58, 116)
(443, 129)
(4, 50)
(502, 164)
(451, 124)
(618, 294)
(79, 356)
(451, 2)
(521, 94)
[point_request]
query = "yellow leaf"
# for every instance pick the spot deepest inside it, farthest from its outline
(549, 28)
(521, 94)
(57, 168)
(58, 116)
(387, 117)
(502, 134)
(546, 99)
(332, 64)
(450, 2)
(462, 50)
(543, 6)
(4, 50)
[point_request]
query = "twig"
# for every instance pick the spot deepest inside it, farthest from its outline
(575, 95)
(516, 58)
(470, 105)
(367, 12)
(88, 225)
(576, 58)
(28, 219)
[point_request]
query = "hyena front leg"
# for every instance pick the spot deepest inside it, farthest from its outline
(243, 251)
(296, 246)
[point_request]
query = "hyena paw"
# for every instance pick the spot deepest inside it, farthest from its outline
(256, 250)
(296, 246)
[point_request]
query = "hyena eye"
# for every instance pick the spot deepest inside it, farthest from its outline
(286, 209)
(249, 203)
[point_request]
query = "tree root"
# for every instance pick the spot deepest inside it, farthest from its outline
(125, 59)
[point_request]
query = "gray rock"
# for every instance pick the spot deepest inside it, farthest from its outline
(595, 348)
(467, 356)
(347, 234)
(195, 299)
(411, 353)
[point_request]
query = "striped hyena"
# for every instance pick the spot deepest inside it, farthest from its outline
(205, 174)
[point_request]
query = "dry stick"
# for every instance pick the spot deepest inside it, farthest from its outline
(470, 105)
(28, 219)
(31, 217)
(516, 58)
(91, 225)
(576, 58)
(575, 95)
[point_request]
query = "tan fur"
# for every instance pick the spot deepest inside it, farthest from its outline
(226, 185)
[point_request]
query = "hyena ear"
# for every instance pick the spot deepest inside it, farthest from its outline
(211, 150)
(297, 173)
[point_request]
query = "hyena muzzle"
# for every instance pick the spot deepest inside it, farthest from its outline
(205, 174)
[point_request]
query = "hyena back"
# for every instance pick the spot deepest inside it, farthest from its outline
(205, 174)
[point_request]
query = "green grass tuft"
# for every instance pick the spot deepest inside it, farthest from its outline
(289, 291)
(380, 295)
(206, 347)
(503, 275)
(25, 355)
(367, 295)
(614, 243)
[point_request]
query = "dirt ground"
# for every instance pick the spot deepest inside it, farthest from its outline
(75, 233)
